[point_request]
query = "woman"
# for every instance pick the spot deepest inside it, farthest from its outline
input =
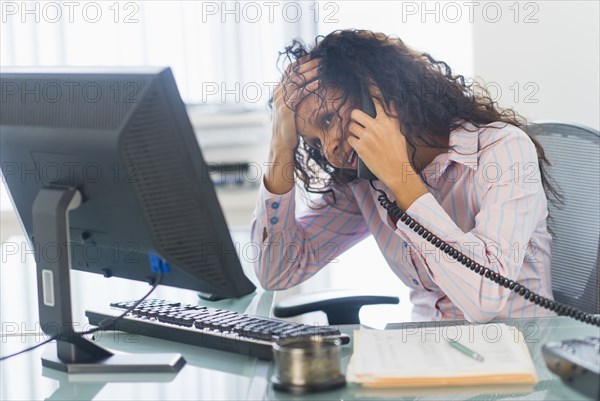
(450, 158)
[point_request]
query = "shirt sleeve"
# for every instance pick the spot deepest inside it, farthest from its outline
(292, 249)
(511, 207)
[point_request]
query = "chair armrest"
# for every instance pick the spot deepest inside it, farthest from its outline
(340, 306)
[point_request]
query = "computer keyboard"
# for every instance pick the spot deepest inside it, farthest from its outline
(577, 362)
(207, 327)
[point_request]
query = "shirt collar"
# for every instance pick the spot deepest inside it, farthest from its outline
(463, 149)
(464, 145)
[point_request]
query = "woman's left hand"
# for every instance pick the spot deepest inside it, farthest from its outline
(382, 147)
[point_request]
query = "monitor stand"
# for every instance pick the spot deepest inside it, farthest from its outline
(74, 353)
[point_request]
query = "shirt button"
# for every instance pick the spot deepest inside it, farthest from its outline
(415, 282)
(274, 220)
(275, 205)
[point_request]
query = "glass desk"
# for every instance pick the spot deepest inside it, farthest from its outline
(536, 332)
(209, 374)
(217, 375)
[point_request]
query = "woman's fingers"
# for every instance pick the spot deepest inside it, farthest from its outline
(361, 117)
(309, 65)
(301, 92)
(378, 107)
(285, 97)
(356, 129)
(298, 80)
(291, 97)
(301, 65)
(302, 74)
(293, 94)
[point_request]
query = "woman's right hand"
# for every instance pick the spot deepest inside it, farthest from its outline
(295, 84)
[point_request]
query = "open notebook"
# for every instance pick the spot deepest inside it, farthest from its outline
(424, 358)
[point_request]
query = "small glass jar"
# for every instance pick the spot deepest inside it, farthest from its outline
(307, 364)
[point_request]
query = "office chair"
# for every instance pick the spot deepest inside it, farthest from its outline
(574, 152)
(340, 306)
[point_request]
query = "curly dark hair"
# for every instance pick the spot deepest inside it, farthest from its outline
(430, 101)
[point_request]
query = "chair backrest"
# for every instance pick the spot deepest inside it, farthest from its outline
(574, 152)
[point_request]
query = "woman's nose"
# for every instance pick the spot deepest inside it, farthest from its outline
(331, 153)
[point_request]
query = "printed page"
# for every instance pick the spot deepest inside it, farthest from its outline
(425, 352)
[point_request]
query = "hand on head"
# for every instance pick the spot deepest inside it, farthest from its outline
(297, 82)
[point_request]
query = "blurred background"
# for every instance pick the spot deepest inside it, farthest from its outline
(540, 57)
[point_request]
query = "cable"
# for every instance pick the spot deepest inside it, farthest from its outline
(30, 348)
(106, 324)
(559, 308)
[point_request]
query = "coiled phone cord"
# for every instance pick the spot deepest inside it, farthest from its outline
(559, 308)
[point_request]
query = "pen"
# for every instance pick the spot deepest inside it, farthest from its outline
(458, 346)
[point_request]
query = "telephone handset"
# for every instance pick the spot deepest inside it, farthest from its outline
(561, 309)
(369, 108)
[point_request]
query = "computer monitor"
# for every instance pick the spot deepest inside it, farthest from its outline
(106, 175)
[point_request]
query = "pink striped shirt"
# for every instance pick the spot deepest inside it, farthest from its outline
(485, 198)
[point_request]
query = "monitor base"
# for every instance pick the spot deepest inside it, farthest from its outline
(118, 363)
(74, 353)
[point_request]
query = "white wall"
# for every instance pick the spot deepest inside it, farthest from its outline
(421, 26)
(540, 57)
(556, 52)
